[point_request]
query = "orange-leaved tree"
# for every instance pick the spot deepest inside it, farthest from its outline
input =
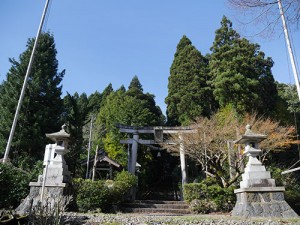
(211, 143)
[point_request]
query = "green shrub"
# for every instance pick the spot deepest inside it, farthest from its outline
(95, 195)
(14, 185)
(91, 195)
(193, 191)
(203, 206)
(124, 181)
(209, 198)
(291, 183)
(126, 178)
(292, 196)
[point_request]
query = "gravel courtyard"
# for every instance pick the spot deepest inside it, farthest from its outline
(159, 219)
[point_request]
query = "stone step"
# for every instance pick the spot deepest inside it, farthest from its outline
(159, 202)
(156, 206)
(156, 210)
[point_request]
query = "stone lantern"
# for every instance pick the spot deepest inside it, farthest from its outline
(54, 158)
(258, 195)
(55, 182)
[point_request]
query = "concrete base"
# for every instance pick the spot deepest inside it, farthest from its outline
(262, 203)
(51, 194)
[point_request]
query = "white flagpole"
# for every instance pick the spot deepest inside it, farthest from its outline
(287, 38)
(12, 130)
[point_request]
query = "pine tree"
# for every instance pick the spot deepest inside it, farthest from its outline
(189, 95)
(241, 75)
(42, 105)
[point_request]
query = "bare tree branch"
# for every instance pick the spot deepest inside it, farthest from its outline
(208, 145)
(264, 14)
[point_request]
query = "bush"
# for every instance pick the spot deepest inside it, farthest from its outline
(123, 182)
(291, 183)
(292, 196)
(91, 195)
(203, 206)
(103, 195)
(14, 185)
(209, 198)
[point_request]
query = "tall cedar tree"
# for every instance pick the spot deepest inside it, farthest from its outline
(42, 106)
(135, 90)
(79, 110)
(189, 95)
(76, 116)
(241, 75)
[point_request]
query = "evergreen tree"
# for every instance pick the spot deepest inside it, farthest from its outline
(42, 105)
(76, 116)
(189, 95)
(106, 92)
(95, 101)
(135, 84)
(241, 75)
(288, 105)
(131, 107)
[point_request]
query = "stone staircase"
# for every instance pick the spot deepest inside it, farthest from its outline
(156, 206)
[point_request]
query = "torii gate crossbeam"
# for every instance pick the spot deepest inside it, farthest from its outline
(158, 132)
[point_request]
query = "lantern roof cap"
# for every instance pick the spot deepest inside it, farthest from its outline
(250, 136)
(60, 135)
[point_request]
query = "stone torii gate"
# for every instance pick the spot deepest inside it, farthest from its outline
(158, 133)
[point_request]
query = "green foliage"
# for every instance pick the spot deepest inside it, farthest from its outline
(291, 183)
(114, 149)
(189, 95)
(14, 185)
(288, 105)
(29, 165)
(42, 105)
(203, 206)
(91, 195)
(127, 179)
(102, 195)
(241, 75)
(76, 116)
(212, 197)
(131, 107)
(15, 180)
(121, 185)
(292, 196)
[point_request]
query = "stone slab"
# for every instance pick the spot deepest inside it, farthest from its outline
(40, 184)
(257, 175)
(50, 194)
(263, 204)
(259, 189)
(257, 183)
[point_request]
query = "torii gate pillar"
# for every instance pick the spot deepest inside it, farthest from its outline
(134, 148)
(182, 162)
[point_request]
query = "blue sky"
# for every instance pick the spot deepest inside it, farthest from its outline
(102, 42)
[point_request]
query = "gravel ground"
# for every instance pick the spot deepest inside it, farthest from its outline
(159, 219)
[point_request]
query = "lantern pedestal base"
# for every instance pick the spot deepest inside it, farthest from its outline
(262, 202)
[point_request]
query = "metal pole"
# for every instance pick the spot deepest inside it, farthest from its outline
(205, 153)
(286, 33)
(12, 130)
(289, 171)
(89, 149)
(95, 164)
(47, 162)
